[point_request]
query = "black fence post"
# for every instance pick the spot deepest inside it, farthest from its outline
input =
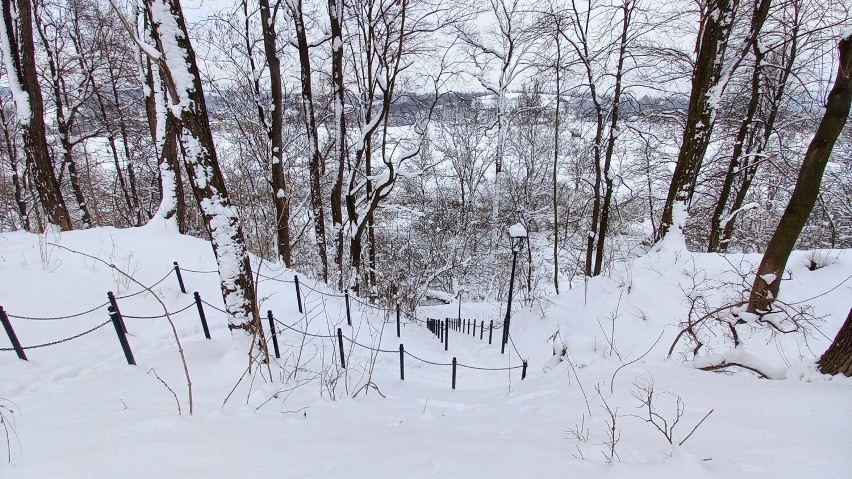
(440, 325)
(490, 331)
(524, 371)
(13, 338)
(180, 278)
(397, 320)
(298, 292)
(114, 304)
(348, 311)
(201, 315)
(481, 329)
(340, 344)
(115, 316)
(454, 372)
(274, 334)
(401, 362)
(446, 335)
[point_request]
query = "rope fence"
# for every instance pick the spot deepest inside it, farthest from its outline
(439, 328)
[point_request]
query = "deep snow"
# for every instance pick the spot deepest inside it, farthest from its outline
(81, 412)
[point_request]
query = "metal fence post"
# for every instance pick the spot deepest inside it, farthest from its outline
(114, 303)
(490, 331)
(298, 292)
(340, 344)
(274, 335)
(401, 362)
(397, 320)
(524, 370)
(446, 335)
(201, 315)
(122, 337)
(348, 311)
(180, 278)
(454, 372)
(13, 338)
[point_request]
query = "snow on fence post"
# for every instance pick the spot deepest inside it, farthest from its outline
(490, 331)
(348, 311)
(340, 344)
(13, 338)
(401, 362)
(115, 316)
(179, 278)
(454, 372)
(397, 320)
(201, 315)
(524, 371)
(274, 334)
(298, 292)
(114, 304)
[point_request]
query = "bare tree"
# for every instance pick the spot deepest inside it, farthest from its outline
(767, 281)
(16, 36)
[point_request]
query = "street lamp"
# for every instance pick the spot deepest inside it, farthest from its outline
(517, 235)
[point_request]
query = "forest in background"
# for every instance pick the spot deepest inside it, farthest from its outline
(386, 146)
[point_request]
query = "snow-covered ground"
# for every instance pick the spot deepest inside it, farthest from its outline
(77, 410)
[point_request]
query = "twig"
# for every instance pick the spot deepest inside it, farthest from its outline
(152, 370)
(694, 428)
(612, 379)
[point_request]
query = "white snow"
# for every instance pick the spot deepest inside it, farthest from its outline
(517, 230)
(81, 412)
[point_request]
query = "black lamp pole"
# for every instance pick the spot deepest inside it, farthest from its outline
(516, 244)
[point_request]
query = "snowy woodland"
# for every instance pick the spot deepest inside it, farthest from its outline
(423, 238)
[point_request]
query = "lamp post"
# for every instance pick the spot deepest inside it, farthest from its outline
(517, 235)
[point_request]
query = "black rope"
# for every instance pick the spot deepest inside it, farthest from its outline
(515, 348)
(182, 269)
(145, 290)
(55, 318)
(160, 316)
(370, 347)
(214, 307)
(305, 332)
(271, 278)
(333, 295)
(425, 361)
(488, 369)
(52, 343)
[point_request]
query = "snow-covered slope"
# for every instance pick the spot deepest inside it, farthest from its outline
(77, 410)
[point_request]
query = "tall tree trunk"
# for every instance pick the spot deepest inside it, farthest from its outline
(554, 174)
(747, 126)
(768, 279)
(23, 81)
(313, 142)
(164, 135)
(627, 11)
(712, 42)
(280, 195)
(183, 82)
(837, 359)
(335, 15)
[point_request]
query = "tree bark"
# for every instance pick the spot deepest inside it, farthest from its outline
(280, 195)
(313, 142)
(837, 359)
(23, 77)
(767, 282)
(183, 82)
(712, 41)
(335, 15)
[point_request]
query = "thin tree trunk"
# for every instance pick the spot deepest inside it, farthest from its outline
(335, 15)
(280, 195)
(313, 141)
(17, 184)
(767, 281)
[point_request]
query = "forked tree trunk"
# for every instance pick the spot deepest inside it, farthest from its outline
(713, 39)
(768, 279)
(837, 359)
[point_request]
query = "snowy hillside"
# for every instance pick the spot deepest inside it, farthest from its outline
(76, 409)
